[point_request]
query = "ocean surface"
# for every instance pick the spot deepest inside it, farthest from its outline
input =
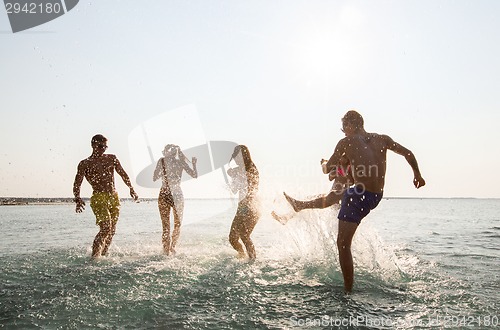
(419, 264)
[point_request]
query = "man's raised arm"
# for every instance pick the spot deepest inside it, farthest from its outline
(418, 181)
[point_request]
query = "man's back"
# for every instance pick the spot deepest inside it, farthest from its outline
(367, 154)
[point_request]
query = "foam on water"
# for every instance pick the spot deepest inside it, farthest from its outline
(296, 276)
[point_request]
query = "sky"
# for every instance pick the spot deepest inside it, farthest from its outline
(276, 76)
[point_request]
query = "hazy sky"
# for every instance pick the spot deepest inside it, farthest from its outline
(274, 75)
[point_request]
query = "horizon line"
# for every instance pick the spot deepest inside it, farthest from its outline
(225, 198)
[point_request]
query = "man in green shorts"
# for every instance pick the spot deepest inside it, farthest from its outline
(99, 169)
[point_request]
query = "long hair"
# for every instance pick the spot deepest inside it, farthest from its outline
(251, 170)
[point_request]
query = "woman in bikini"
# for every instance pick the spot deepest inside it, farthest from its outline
(170, 168)
(245, 182)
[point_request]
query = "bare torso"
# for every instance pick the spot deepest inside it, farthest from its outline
(99, 172)
(367, 154)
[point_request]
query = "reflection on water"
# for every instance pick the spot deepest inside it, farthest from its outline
(403, 279)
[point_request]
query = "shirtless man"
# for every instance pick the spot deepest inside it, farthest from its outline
(367, 154)
(99, 170)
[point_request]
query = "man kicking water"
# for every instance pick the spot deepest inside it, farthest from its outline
(366, 154)
(99, 169)
(342, 180)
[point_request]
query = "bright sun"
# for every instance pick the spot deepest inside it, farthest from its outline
(333, 46)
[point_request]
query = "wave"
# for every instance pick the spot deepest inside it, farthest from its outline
(296, 276)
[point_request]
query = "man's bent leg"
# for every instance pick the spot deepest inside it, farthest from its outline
(109, 238)
(344, 239)
(114, 214)
(99, 241)
(323, 201)
(318, 203)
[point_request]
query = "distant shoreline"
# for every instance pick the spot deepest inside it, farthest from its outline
(6, 201)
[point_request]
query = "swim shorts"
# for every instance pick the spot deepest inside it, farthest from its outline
(357, 203)
(106, 206)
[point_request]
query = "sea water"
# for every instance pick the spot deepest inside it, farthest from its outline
(419, 264)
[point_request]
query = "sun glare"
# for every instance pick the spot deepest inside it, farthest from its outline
(333, 46)
(350, 17)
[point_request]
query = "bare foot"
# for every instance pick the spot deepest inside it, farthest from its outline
(241, 255)
(280, 218)
(292, 202)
